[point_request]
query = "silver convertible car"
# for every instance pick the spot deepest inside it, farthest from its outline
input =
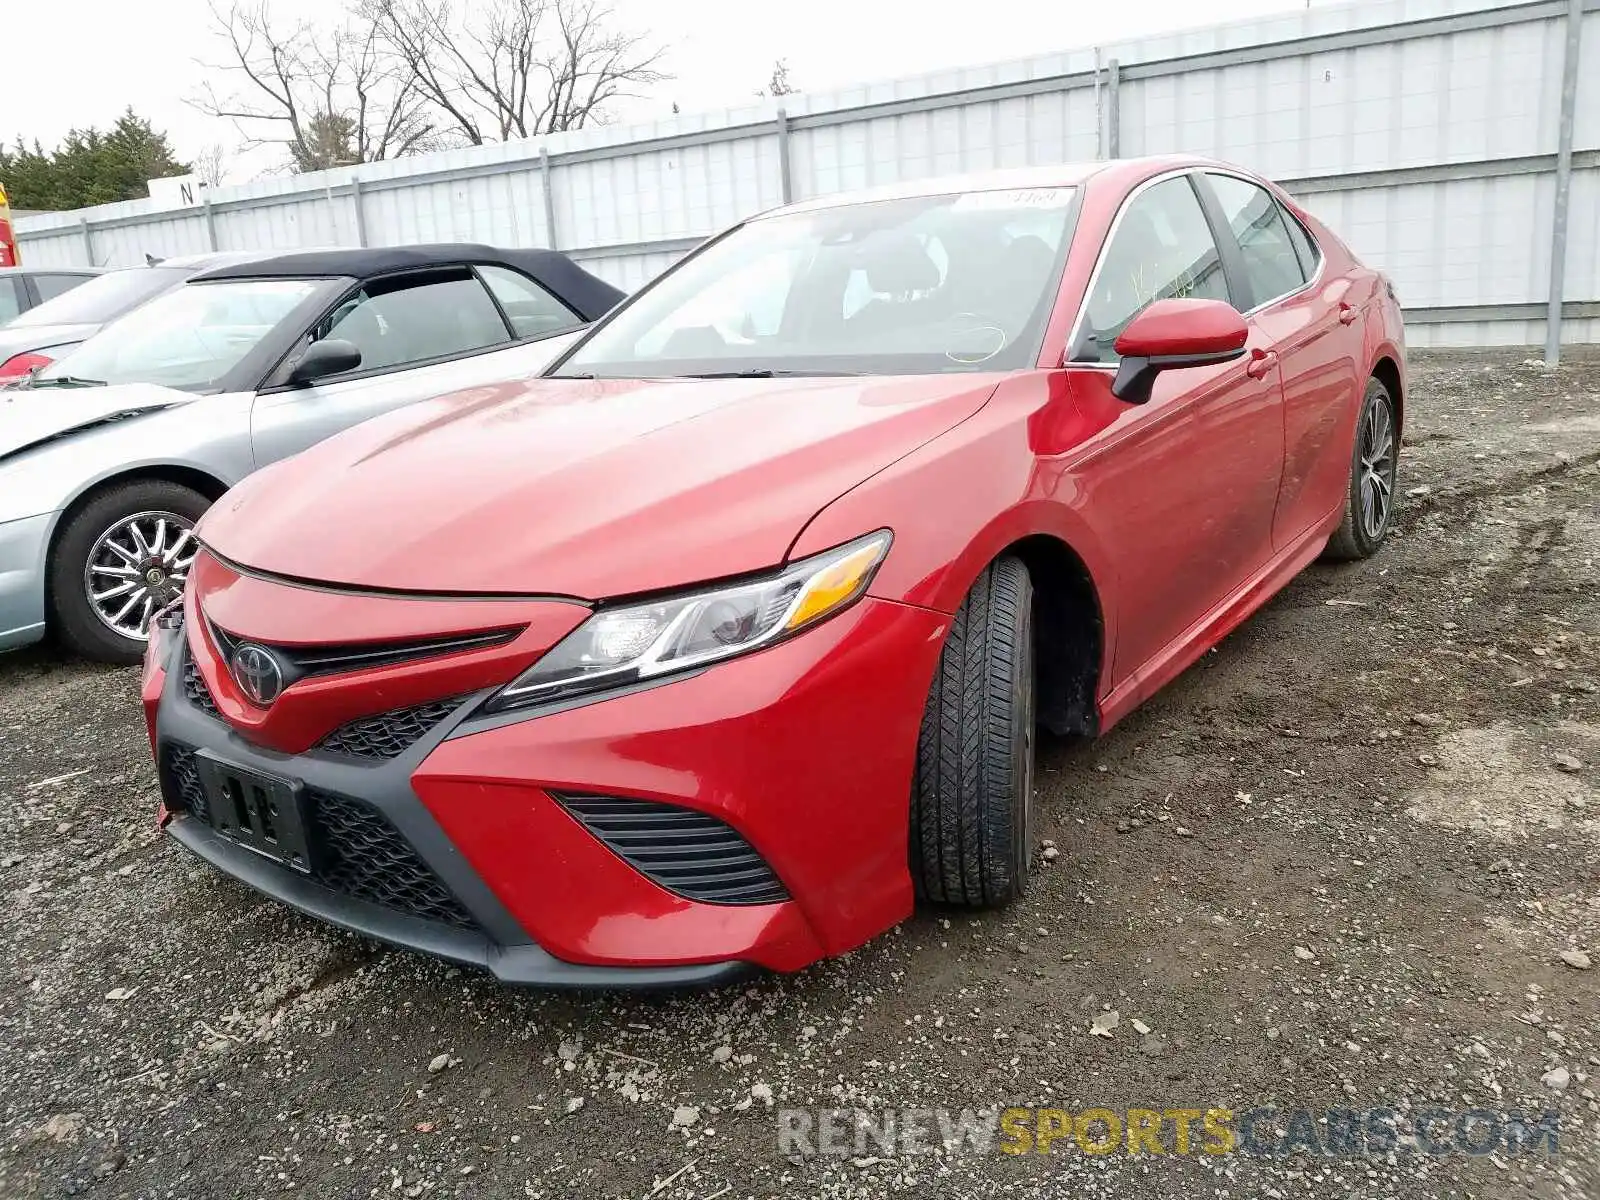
(110, 455)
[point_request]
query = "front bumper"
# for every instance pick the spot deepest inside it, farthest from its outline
(22, 559)
(804, 750)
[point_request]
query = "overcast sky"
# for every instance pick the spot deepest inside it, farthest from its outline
(80, 62)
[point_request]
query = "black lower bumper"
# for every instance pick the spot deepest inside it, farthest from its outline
(525, 964)
(482, 934)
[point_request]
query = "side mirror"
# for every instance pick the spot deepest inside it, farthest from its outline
(1171, 334)
(332, 356)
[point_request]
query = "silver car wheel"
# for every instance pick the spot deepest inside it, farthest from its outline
(138, 567)
(1377, 470)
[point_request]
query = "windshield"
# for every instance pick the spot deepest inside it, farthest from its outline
(188, 339)
(102, 298)
(961, 282)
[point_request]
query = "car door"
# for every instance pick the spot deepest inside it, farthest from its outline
(1314, 324)
(420, 334)
(1181, 489)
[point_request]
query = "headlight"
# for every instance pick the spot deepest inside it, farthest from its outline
(630, 643)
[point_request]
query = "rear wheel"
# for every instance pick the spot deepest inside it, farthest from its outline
(972, 796)
(119, 560)
(1369, 496)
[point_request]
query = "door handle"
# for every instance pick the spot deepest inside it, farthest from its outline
(1261, 361)
(1348, 313)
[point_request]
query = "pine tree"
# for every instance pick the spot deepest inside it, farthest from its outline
(89, 167)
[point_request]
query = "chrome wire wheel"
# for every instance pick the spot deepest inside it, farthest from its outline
(1377, 469)
(138, 567)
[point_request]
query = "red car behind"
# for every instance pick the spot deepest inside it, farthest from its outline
(727, 639)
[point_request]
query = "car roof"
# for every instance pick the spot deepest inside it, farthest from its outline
(588, 294)
(1067, 174)
(211, 261)
(52, 271)
(1008, 179)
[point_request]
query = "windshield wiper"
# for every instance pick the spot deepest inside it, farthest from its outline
(769, 373)
(65, 381)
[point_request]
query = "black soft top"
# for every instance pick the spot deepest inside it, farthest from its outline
(588, 295)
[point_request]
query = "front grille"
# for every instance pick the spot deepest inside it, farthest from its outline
(390, 734)
(298, 662)
(686, 852)
(195, 689)
(355, 849)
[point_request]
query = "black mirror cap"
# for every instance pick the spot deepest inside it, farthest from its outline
(1136, 376)
(331, 356)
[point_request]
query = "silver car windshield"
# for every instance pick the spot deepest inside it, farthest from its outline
(960, 282)
(188, 339)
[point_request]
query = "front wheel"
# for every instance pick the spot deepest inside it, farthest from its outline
(972, 795)
(119, 560)
(1369, 495)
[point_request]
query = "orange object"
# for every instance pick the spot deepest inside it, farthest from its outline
(9, 255)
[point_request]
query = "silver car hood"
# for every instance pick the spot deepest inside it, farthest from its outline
(31, 416)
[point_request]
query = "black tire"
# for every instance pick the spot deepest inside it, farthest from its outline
(972, 795)
(72, 616)
(1354, 538)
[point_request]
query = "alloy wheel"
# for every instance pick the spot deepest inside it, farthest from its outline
(137, 568)
(1377, 469)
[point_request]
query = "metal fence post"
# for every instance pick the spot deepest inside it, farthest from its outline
(786, 176)
(88, 241)
(1558, 224)
(546, 175)
(359, 210)
(211, 224)
(1114, 108)
(1099, 106)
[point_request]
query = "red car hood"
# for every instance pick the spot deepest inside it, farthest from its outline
(582, 488)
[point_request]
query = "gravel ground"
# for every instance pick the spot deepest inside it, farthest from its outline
(1336, 864)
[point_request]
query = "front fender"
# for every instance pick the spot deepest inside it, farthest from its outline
(210, 437)
(957, 502)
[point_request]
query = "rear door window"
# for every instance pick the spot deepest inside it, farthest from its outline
(1271, 262)
(1310, 256)
(51, 286)
(12, 298)
(532, 311)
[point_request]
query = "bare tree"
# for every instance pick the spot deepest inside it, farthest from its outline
(211, 164)
(498, 69)
(328, 96)
(779, 84)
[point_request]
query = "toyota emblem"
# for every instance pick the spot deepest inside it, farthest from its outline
(257, 673)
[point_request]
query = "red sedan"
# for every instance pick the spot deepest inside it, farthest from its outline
(726, 640)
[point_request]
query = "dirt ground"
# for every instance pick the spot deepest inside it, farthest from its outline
(1336, 864)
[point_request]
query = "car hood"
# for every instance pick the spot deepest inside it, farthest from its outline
(588, 488)
(31, 416)
(23, 339)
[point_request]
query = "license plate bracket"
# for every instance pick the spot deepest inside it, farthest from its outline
(260, 812)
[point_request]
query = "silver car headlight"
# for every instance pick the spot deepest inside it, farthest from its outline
(632, 643)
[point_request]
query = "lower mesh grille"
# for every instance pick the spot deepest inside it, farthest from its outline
(186, 782)
(686, 852)
(366, 857)
(390, 734)
(356, 850)
(195, 689)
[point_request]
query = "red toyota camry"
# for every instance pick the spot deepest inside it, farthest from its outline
(727, 639)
